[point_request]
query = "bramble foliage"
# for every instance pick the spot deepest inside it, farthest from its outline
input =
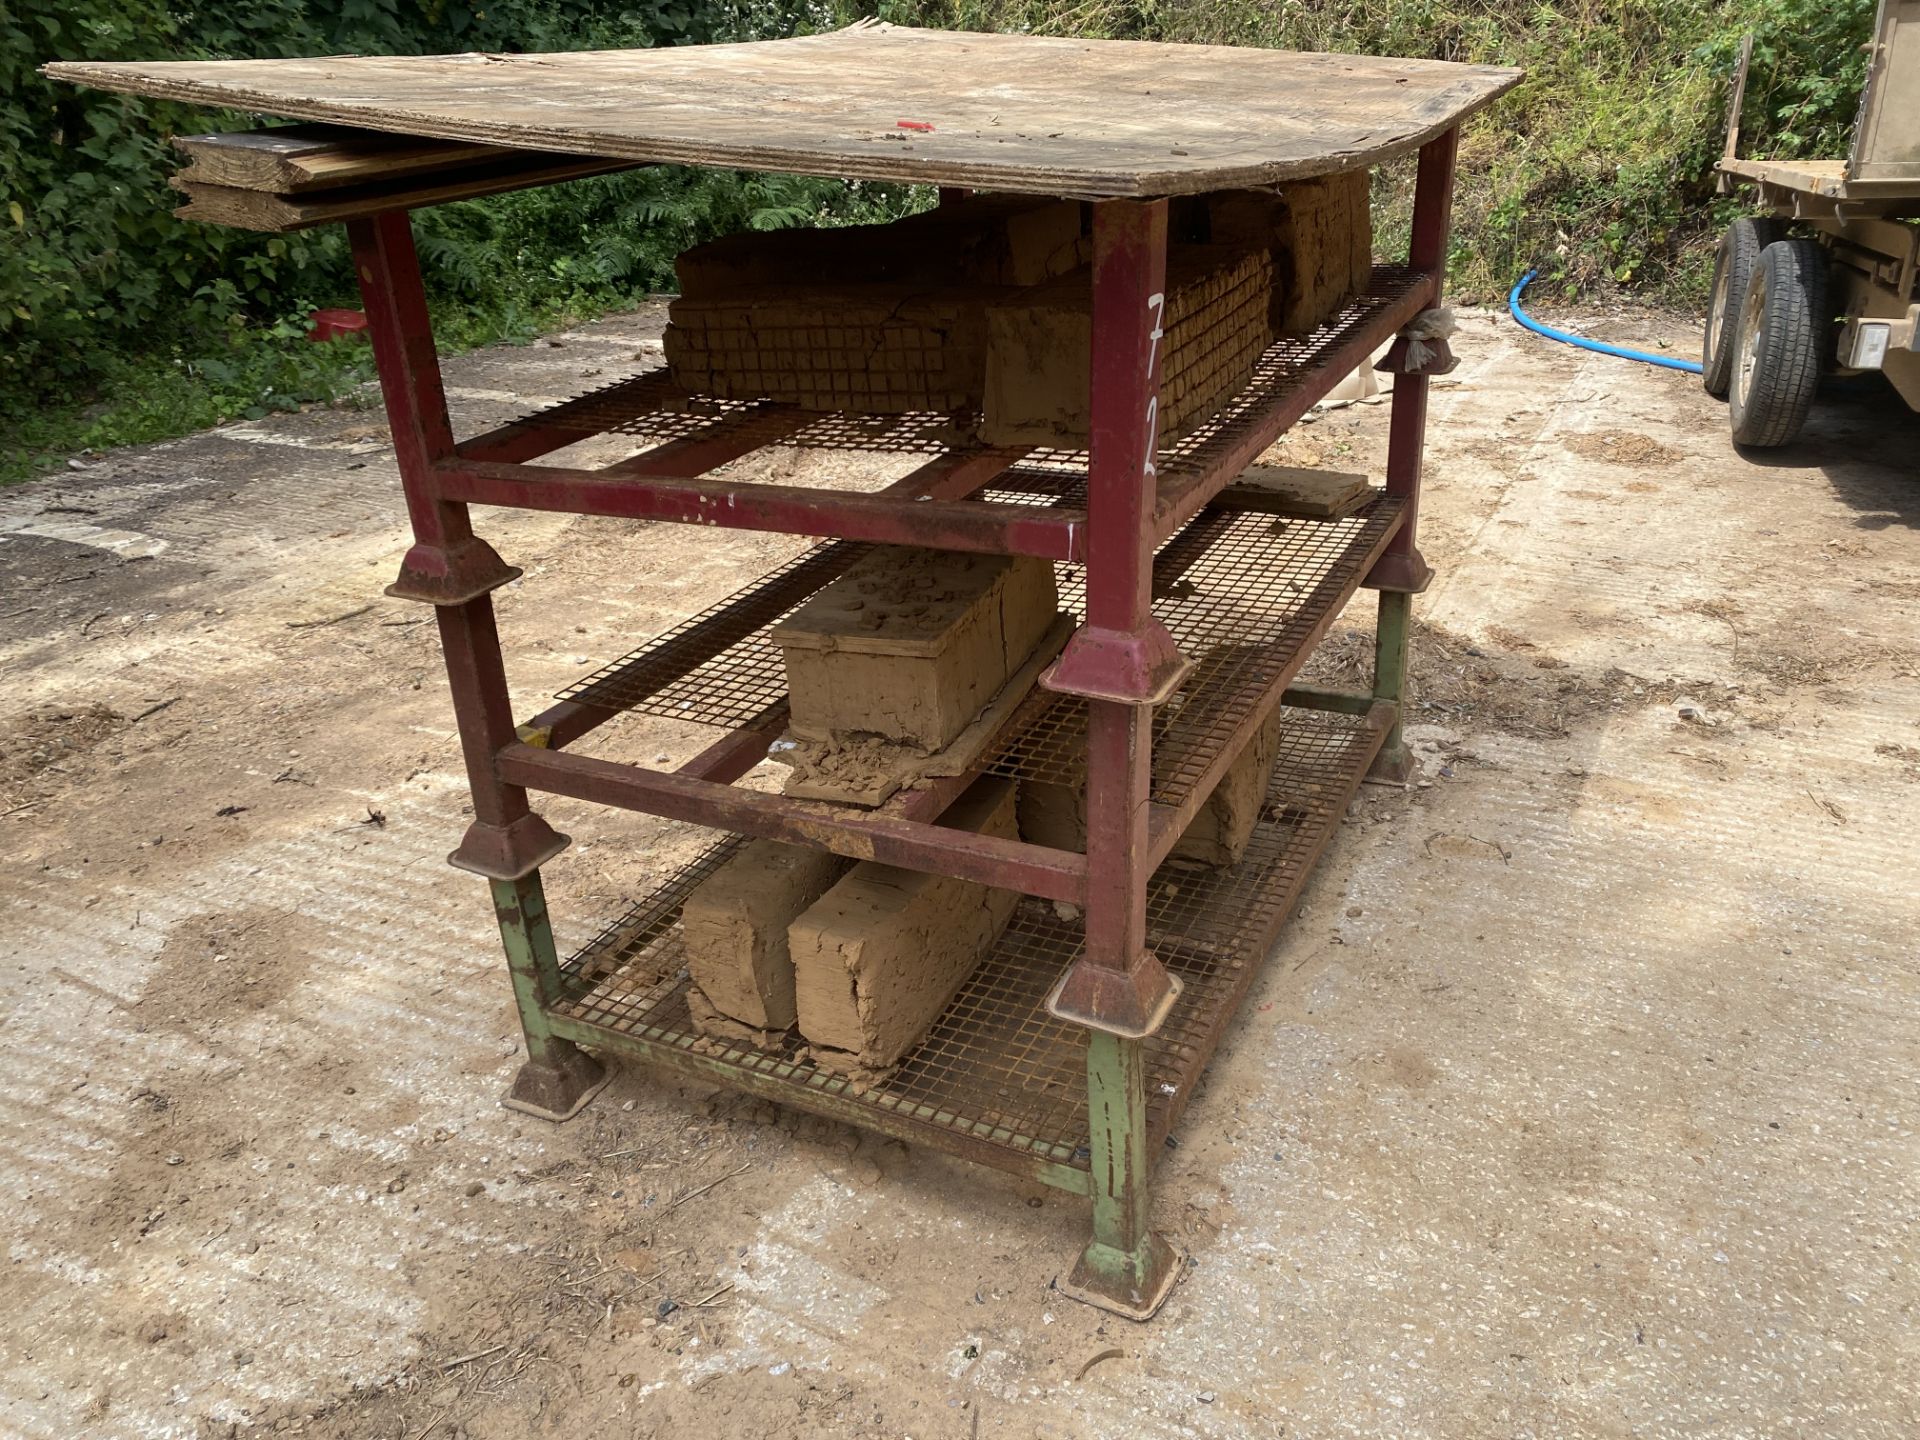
(1597, 168)
(94, 269)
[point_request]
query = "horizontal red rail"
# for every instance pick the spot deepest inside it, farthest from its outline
(994, 529)
(913, 845)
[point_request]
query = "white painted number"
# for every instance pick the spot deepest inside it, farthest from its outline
(1157, 304)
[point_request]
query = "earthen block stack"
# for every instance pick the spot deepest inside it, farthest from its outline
(910, 644)
(879, 956)
(1040, 347)
(735, 927)
(1056, 815)
(988, 240)
(876, 349)
(1320, 233)
(876, 319)
(1220, 833)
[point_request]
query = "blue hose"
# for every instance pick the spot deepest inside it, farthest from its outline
(1665, 362)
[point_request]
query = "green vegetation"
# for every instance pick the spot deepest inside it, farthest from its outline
(1598, 168)
(118, 323)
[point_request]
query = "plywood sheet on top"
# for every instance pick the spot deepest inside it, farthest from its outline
(1022, 113)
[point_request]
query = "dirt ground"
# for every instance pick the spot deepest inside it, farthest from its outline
(1579, 1099)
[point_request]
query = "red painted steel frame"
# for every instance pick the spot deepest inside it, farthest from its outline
(447, 565)
(756, 505)
(911, 844)
(506, 840)
(1122, 658)
(1402, 568)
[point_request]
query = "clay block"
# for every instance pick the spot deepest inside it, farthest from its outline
(1320, 232)
(910, 644)
(1056, 815)
(735, 925)
(1040, 347)
(987, 240)
(877, 958)
(1219, 833)
(1294, 490)
(876, 319)
(875, 349)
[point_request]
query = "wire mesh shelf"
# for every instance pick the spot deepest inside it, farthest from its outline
(997, 1075)
(1244, 595)
(718, 668)
(650, 406)
(1245, 602)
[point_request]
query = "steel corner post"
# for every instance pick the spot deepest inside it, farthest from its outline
(1123, 662)
(558, 1077)
(454, 570)
(448, 564)
(1127, 1267)
(1402, 571)
(1122, 659)
(1122, 653)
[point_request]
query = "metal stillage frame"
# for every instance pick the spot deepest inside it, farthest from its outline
(1121, 665)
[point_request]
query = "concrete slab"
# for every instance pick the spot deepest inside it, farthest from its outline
(1578, 1101)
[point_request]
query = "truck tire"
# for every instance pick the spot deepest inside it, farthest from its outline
(1779, 343)
(1733, 263)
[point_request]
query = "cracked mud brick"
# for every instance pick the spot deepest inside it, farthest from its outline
(735, 926)
(879, 956)
(911, 644)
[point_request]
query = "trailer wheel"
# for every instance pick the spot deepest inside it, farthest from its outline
(1778, 343)
(1733, 263)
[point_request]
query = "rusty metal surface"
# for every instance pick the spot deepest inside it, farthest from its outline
(697, 432)
(621, 492)
(1402, 567)
(997, 1078)
(1247, 610)
(843, 829)
(1223, 583)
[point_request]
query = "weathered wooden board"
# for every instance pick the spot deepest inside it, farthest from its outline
(1886, 143)
(258, 210)
(1023, 113)
(295, 158)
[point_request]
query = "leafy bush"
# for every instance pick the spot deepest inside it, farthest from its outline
(94, 269)
(1597, 168)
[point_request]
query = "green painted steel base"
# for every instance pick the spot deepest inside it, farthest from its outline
(559, 1077)
(1134, 1284)
(560, 1090)
(1394, 764)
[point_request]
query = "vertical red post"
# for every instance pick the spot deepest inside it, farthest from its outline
(1121, 659)
(1401, 567)
(447, 563)
(1402, 572)
(448, 566)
